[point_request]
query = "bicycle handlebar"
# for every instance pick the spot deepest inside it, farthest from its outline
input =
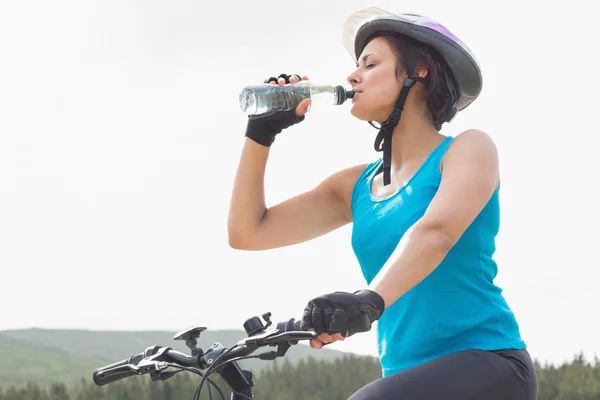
(155, 360)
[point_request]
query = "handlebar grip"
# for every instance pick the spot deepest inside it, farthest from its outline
(297, 325)
(104, 375)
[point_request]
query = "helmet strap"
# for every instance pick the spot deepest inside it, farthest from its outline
(383, 140)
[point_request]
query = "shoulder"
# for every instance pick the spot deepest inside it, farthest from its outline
(472, 148)
(472, 142)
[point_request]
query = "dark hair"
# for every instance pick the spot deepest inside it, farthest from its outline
(437, 94)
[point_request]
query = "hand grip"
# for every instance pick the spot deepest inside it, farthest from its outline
(116, 371)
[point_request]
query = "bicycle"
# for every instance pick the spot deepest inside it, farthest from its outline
(155, 360)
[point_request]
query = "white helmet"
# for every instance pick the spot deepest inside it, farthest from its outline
(462, 64)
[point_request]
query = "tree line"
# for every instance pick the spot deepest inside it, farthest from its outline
(309, 379)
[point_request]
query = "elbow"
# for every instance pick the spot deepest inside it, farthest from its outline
(237, 234)
(244, 241)
(237, 241)
(444, 240)
(245, 237)
(437, 239)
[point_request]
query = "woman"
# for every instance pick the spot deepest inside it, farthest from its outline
(424, 217)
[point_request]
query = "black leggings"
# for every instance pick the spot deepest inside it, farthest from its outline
(464, 375)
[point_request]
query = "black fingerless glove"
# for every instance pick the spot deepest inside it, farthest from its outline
(284, 76)
(342, 312)
(263, 128)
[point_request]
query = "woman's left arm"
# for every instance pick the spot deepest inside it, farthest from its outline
(470, 174)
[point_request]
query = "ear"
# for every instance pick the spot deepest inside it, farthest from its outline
(421, 71)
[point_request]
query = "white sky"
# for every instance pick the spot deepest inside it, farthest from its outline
(120, 132)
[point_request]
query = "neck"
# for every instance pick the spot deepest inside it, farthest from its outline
(414, 137)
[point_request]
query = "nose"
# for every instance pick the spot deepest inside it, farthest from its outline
(354, 78)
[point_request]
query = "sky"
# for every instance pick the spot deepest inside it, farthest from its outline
(120, 132)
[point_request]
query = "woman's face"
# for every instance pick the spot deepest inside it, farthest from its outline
(375, 82)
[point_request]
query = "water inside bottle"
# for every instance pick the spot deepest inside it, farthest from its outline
(259, 99)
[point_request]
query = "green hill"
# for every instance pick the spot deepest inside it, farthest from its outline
(21, 362)
(45, 355)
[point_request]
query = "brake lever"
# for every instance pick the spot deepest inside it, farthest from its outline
(275, 336)
(148, 362)
(151, 363)
(283, 341)
(292, 336)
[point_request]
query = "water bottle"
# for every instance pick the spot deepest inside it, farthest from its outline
(263, 98)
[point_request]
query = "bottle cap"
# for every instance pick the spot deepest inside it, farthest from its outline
(341, 95)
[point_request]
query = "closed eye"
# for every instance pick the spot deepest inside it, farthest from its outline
(366, 66)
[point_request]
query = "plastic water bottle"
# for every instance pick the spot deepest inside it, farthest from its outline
(263, 98)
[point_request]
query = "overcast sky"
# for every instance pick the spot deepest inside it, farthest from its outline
(120, 132)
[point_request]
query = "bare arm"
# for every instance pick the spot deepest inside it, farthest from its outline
(253, 226)
(469, 177)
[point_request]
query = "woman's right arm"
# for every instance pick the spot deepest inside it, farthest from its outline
(253, 226)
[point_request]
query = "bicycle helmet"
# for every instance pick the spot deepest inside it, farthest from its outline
(463, 72)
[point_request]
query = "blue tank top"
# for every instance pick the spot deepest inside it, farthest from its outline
(457, 306)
